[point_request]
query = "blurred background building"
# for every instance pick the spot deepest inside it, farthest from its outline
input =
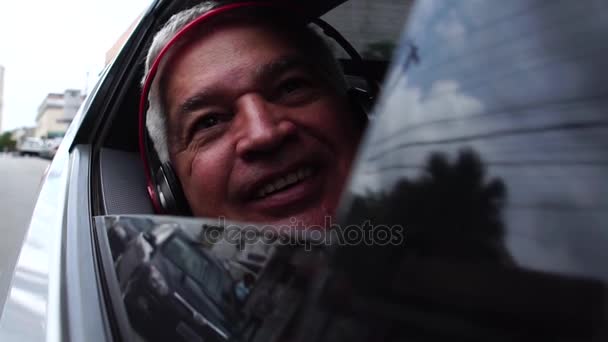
(18, 134)
(56, 112)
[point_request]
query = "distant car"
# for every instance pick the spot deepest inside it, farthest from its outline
(31, 147)
(50, 148)
(174, 290)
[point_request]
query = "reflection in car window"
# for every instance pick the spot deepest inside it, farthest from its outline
(520, 88)
(199, 268)
(175, 283)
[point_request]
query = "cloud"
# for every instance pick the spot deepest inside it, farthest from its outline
(421, 16)
(404, 107)
(408, 105)
(53, 47)
(451, 30)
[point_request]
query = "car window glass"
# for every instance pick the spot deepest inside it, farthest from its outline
(173, 267)
(194, 265)
(513, 95)
(181, 254)
(487, 163)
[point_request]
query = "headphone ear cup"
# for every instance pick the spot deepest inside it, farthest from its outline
(170, 194)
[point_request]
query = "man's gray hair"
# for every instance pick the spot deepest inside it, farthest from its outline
(156, 118)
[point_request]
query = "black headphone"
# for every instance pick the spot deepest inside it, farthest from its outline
(170, 194)
(165, 189)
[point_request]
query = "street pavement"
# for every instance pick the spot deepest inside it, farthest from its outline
(19, 184)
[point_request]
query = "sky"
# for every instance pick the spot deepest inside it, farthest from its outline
(50, 46)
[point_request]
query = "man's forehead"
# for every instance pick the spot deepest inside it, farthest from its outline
(270, 24)
(224, 83)
(256, 49)
(236, 41)
(234, 48)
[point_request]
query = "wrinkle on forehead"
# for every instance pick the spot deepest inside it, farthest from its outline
(262, 74)
(285, 26)
(229, 58)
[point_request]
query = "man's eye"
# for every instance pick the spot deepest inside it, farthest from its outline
(207, 121)
(292, 85)
(207, 127)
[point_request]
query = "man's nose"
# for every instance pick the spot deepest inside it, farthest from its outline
(263, 128)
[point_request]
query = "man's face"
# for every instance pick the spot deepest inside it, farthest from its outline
(255, 133)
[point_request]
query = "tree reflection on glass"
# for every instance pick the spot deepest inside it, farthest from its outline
(452, 210)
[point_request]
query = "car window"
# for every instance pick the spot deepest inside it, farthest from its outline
(194, 264)
(487, 164)
(511, 93)
(187, 284)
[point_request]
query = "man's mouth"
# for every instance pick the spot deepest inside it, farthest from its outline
(284, 182)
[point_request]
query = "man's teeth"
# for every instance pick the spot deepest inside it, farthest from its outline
(284, 181)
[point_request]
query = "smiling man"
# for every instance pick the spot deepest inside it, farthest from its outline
(250, 109)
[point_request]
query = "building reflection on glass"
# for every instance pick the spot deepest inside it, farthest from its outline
(174, 286)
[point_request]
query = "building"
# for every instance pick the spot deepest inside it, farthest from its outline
(1, 94)
(56, 113)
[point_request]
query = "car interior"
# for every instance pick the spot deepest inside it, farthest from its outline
(118, 175)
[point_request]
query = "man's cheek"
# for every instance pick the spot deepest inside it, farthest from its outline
(209, 176)
(201, 192)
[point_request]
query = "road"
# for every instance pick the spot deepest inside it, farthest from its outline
(19, 181)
